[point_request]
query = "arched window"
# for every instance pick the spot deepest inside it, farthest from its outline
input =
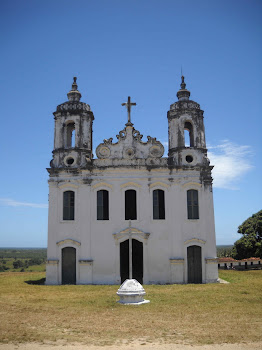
(70, 135)
(69, 205)
(188, 135)
(158, 204)
(102, 205)
(130, 205)
(73, 138)
(192, 204)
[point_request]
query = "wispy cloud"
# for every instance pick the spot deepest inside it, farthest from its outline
(13, 203)
(232, 162)
(165, 144)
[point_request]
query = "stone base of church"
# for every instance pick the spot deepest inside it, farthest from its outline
(86, 276)
(52, 272)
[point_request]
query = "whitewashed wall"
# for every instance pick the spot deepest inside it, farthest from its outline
(97, 247)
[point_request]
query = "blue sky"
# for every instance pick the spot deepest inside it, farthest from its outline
(129, 48)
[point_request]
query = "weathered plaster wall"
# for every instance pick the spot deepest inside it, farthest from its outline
(166, 238)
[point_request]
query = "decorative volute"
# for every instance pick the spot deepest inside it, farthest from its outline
(130, 146)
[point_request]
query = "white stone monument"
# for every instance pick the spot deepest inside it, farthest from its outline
(131, 292)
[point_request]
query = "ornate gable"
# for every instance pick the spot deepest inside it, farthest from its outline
(130, 146)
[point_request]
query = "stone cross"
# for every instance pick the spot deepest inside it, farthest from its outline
(128, 104)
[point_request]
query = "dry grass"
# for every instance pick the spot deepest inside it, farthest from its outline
(192, 314)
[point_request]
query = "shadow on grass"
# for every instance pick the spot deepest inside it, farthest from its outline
(38, 282)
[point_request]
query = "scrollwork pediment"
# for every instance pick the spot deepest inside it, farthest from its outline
(130, 146)
(108, 141)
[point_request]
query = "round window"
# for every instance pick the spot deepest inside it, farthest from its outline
(189, 159)
(70, 161)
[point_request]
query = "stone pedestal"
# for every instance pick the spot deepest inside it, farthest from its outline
(131, 292)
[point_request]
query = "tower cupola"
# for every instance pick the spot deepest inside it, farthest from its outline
(74, 94)
(183, 94)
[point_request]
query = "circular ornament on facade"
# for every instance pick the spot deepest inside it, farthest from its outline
(103, 152)
(189, 158)
(69, 161)
(129, 153)
(156, 151)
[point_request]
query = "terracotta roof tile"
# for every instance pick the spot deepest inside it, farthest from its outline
(226, 260)
(229, 259)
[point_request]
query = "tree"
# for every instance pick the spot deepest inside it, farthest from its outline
(17, 264)
(250, 244)
(224, 251)
(35, 261)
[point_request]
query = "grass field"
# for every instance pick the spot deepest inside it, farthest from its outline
(191, 314)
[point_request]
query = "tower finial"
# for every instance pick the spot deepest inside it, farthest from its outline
(183, 93)
(74, 85)
(183, 84)
(74, 94)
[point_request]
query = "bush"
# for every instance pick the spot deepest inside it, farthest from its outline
(17, 264)
(35, 261)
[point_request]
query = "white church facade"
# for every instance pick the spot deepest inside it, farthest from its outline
(130, 212)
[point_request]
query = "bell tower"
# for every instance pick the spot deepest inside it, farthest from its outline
(186, 123)
(73, 132)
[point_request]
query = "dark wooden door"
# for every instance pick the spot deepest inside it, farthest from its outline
(124, 260)
(137, 260)
(69, 265)
(194, 264)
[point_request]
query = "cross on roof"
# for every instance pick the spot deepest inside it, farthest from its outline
(128, 105)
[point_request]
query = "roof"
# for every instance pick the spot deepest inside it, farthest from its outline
(229, 259)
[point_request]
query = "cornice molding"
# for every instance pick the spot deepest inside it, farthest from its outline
(67, 185)
(211, 260)
(159, 183)
(130, 184)
(52, 261)
(177, 261)
(195, 240)
(86, 262)
(131, 232)
(191, 184)
(102, 184)
(69, 241)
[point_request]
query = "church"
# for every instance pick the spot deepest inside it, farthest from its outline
(129, 212)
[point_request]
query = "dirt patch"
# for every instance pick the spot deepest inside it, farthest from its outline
(138, 345)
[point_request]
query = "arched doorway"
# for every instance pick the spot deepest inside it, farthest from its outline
(134, 248)
(69, 265)
(194, 264)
